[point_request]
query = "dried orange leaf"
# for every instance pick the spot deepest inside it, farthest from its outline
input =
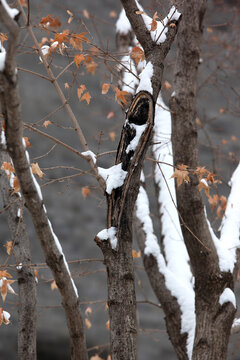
(181, 174)
(113, 14)
(139, 12)
(62, 37)
(213, 201)
(112, 135)
(86, 14)
(88, 311)
(80, 90)
(105, 88)
(167, 85)
(7, 167)
(27, 142)
(3, 37)
(120, 95)
(46, 123)
(23, 3)
(203, 185)
(136, 254)
(36, 170)
(201, 171)
(137, 54)
(9, 248)
(53, 285)
(91, 67)
(16, 185)
(4, 273)
(86, 97)
(110, 115)
(77, 39)
(66, 85)
(70, 16)
(108, 325)
(88, 323)
(78, 59)
(50, 21)
(153, 25)
(85, 191)
(233, 138)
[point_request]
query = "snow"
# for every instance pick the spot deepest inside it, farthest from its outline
(145, 79)
(110, 234)
(91, 154)
(19, 267)
(139, 130)
(230, 227)
(204, 182)
(9, 288)
(114, 177)
(3, 137)
(123, 25)
(178, 288)
(175, 266)
(64, 259)
(159, 35)
(11, 12)
(129, 81)
(227, 296)
(2, 57)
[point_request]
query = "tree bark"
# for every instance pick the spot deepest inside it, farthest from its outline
(119, 262)
(213, 322)
(55, 259)
(27, 299)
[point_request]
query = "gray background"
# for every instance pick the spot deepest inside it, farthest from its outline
(75, 220)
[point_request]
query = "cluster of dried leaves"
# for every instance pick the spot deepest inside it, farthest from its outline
(206, 179)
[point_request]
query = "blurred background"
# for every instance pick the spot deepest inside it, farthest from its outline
(78, 215)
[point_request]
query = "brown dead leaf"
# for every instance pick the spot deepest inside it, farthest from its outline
(201, 171)
(88, 323)
(36, 170)
(6, 287)
(137, 54)
(4, 273)
(113, 14)
(85, 191)
(77, 39)
(70, 16)
(136, 254)
(110, 115)
(112, 135)
(86, 14)
(53, 285)
(27, 142)
(66, 85)
(46, 123)
(105, 88)
(233, 138)
(120, 95)
(78, 59)
(50, 21)
(80, 91)
(3, 37)
(86, 97)
(167, 85)
(181, 174)
(88, 311)
(213, 201)
(7, 167)
(108, 325)
(204, 185)
(9, 247)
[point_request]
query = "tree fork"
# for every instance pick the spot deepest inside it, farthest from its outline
(119, 261)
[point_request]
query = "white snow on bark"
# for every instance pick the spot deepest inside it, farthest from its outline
(3, 137)
(235, 326)
(159, 35)
(110, 234)
(2, 57)
(230, 228)
(139, 131)
(229, 240)
(11, 11)
(227, 296)
(178, 288)
(123, 25)
(91, 154)
(145, 79)
(129, 82)
(177, 259)
(114, 177)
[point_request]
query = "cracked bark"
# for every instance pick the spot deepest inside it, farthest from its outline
(213, 322)
(10, 103)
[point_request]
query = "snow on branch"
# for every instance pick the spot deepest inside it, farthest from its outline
(11, 11)
(178, 288)
(230, 228)
(235, 326)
